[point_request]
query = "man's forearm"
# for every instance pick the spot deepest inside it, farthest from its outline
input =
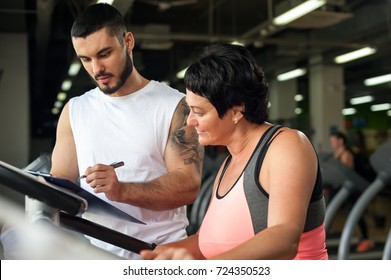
(166, 192)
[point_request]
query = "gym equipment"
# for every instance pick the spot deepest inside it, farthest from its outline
(381, 162)
(41, 164)
(200, 205)
(37, 188)
(337, 174)
(42, 240)
(387, 248)
(58, 206)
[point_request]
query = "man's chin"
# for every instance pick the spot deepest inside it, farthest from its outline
(107, 90)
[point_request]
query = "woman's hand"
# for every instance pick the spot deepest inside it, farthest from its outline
(167, 254)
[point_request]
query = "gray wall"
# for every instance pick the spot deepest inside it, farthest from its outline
(14, 99)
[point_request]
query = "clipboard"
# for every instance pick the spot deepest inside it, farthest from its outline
(58, 193)
(72, 200)
(95, 204)
(39, 189)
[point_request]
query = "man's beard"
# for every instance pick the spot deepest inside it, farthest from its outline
(128, 68)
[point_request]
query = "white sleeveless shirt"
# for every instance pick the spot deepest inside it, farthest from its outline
(133, 129)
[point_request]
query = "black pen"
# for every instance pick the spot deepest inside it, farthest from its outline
(114, 165)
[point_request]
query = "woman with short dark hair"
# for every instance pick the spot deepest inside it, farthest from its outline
(267, 200)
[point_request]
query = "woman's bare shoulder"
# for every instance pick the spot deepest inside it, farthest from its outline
(288, 136)
(292, 144)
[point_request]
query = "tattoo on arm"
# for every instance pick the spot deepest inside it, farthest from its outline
(185, 111)
(186, 139)
(188, 145)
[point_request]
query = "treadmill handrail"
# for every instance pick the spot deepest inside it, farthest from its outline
(103, 233)
(38, 188)
(387, 248)
(357, 211)
(334, 205)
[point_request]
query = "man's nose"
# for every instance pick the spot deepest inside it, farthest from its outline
(97, 67)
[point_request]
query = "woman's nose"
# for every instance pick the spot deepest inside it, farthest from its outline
(191, 120)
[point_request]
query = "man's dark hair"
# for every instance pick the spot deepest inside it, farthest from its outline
(98, 16)
(228, 75)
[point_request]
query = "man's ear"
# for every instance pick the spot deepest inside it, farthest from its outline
(129, 41)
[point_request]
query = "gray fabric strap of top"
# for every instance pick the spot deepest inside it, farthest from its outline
(256, 200)
(266, 139)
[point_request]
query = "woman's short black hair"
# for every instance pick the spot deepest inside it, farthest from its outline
(228, 75)
(98, 16)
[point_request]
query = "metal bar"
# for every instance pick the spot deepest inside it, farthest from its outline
(103, 233)
(357, 211)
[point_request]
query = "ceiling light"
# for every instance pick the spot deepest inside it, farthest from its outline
(348, 111)
(380, 107)
(58, 104)
(55, 111)
(66, 85)
(181, 74)
(291, 74)
(105, 1)
(361, 99)
(378, 80)
(389, 113)
(263, 31)
(61, 96)
(299, 97)
(298, 11)
(74, 69)
(354, 55)
(237, 43)
(298, 111)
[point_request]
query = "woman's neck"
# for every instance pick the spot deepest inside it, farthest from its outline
(339, 151)
(244, 144)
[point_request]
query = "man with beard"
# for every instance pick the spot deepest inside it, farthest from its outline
(131, 119)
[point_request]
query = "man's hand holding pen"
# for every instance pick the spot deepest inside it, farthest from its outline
(102, 178)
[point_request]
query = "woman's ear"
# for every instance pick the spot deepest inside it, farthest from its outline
(238, 113)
